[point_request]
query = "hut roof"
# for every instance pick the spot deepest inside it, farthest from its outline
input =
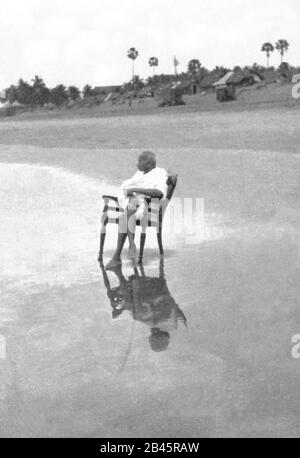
(224, 80)
(239, 77)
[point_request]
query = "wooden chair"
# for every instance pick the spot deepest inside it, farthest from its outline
(153, 217)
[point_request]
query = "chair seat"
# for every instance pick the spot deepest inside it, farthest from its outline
(152, 209)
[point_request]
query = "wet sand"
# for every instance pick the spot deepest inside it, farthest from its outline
(73, 370)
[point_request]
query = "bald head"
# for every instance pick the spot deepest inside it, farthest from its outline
(147, 161)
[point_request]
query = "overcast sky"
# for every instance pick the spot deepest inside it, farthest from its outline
(85, 41)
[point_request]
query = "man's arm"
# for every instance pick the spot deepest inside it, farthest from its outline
(152, 193)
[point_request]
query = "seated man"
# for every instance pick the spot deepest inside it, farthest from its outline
(148, 181)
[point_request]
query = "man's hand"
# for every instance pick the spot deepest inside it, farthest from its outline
(131, 191)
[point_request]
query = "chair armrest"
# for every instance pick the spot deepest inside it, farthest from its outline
(115, 199)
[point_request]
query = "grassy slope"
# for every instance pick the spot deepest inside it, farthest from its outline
(273, 95)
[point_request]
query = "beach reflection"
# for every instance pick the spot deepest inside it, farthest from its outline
(148, 300)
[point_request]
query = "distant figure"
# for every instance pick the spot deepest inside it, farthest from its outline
(149, 301)
(148, 181)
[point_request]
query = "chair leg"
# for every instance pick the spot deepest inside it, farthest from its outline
(142, 270)
(105, 279)
(159, 232)
(159, 241)
(102, 237)
(142, 244)
(161, 269)
(102, 240)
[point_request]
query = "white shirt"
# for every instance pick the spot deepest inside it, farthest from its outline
(155, 179)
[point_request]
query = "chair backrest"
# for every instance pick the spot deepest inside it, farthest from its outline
(152, 203)
(171, 182)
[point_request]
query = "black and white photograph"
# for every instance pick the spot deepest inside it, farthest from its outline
(149, 221)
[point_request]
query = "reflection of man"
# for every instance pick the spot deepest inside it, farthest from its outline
(149, 181)
(149, 301)
(154, 306)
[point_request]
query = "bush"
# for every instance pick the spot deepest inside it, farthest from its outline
(49, 107)
(8, 111)
(172, 96)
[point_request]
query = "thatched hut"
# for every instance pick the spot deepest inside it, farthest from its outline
(225, 90)
(226, 86)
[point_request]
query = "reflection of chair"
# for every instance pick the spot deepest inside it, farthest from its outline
(118, 295)
(148, 300)
(153, 217)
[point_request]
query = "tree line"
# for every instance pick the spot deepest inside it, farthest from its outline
(38, 94)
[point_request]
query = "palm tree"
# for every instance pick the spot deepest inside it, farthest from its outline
(153, 62)
(132, 54)
(282, 46)
(175, 63)
(267, 48)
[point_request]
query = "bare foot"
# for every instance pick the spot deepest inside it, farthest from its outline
(132, 252)
(114, 262)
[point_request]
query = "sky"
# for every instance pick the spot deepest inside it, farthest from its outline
(86, 41)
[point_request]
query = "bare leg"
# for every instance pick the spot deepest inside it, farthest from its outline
(136, 210)
(131, 234)
(116, 259)
(135, 207)
(127, 224)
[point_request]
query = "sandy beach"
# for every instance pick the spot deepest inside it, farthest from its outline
(70, 369)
